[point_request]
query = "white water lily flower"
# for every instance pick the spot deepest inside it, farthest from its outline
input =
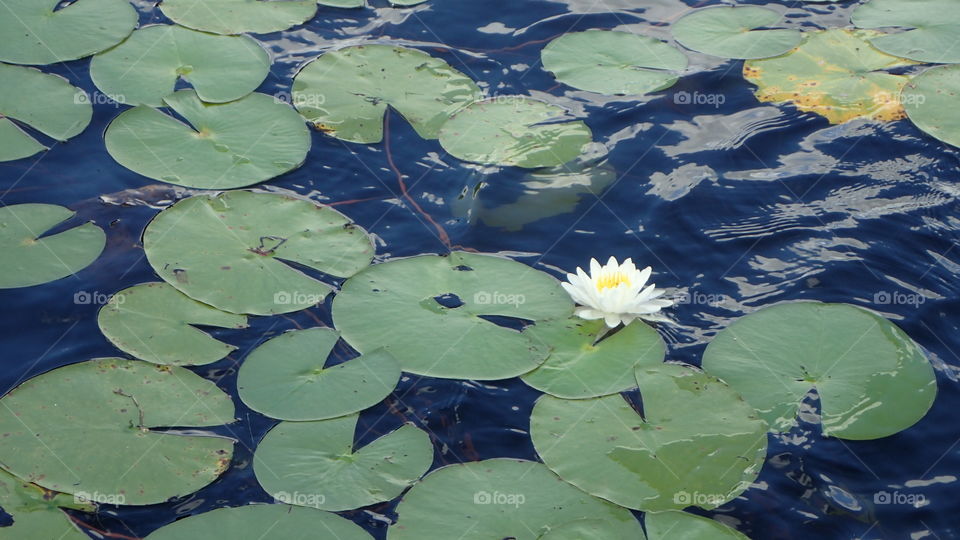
(615, 293)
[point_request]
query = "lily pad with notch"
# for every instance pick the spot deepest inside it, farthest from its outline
(930, 100)
(261, 522)
(37, 512)
(239, 16)
(931, 27)
(674, 525)
(740, 32)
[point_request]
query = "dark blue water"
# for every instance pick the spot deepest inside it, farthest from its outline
(739, 204)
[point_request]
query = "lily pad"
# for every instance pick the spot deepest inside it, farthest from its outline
(231, 250)
(225, 145)
(146, 67)
(315, 464)
(835, 73)
(29, 259)
(153, 322)
(501, 498)
(37, 512)
(933, 28)
(47, 103)
(342, 3)
(731, 32)
(345, 92)
(676, 525)
(699, 443)
(286, 378)
(930, 100)
(239, 16)
(397, 305)
(872, 379)
(514, 131)
(613, 63)
(578, 368)
(262, 522)
(58, 427)
(35, 32)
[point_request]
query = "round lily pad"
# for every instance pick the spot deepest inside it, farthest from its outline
(698, 444)
(345, 92)
(930, 100)
(933, 27)
(90, 428)
(47, 103)
(225, 145)
(239, 16)
(35, 32)
(30, 260)
(613, 63)
(397, 305)
(342, 3)
(262, 522)
(146, 67)
(676, 525)
(514, 131)
(731, 32)
(286, 378)
(578, 367)
(231, 250)
(315, 464)
(835, 73)
(154, 322)
(872, 379)
(501, 498)
(37, 512)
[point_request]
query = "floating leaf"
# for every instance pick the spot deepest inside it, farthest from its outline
(146, 67)
(577, 368)
(930, 100)
(239, 16)
(872, 379)
(514, 130)
(315, 464)
(35, 32)
(835, 73)
(345, 92)
(397, 305)
(501, 498)
(286, 378)
(582, 529)
(30, 260)
(731, 32)
(152, 322)
(90, 428)
(676, 525)
(611, 63)
(226, 145)
(934, 26)
(698, 444)
(47, 103)
(262, 522)
(231, 250)
(342, 3)
(37, 512)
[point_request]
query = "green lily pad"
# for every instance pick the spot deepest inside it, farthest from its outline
(88, 428)
(395, 306)
(501, 498)
(699, 443)
(37, 512)
(226, 145)
(315, 464)
(230, 250)
(933, 28)
(152, 322)
(676, 525)
(514, 131)
(835, 73)
(239, 16)
(872, 379)
(55, 108)
(146, 67)
(286, 378)
(613, 63)
(345, 92)
(33, 33)
(731, 32)
(30, 260)
(581, 529)
(576, 368)
(930, 100)
(262, 522)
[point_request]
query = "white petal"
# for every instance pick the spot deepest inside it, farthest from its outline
(644, 276)
(588, 313)
(612, 319)
(594, 269)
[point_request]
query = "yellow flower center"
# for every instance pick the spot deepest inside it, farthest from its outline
(614, 279)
